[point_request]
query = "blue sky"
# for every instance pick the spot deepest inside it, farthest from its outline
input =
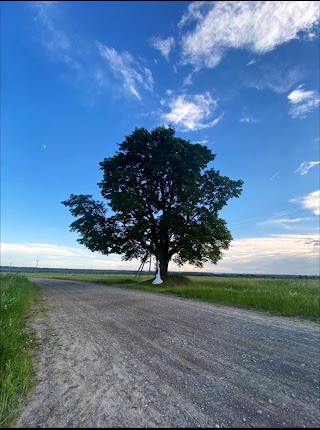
(239, 77)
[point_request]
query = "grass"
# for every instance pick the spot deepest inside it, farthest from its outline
(16, 365)
(294, 297)
(289, 297)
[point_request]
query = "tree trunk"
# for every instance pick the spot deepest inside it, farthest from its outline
(164, 262)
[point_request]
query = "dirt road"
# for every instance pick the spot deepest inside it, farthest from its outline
(111, 357)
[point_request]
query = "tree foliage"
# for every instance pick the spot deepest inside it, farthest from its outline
(164, 201)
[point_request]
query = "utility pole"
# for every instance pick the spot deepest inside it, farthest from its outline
(36, 266)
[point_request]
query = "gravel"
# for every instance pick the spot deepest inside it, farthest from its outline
(114, 357)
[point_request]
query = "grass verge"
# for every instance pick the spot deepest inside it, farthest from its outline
(294, 297)
(16, 365)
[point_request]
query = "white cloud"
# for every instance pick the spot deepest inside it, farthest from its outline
(250, 63)
(281, 254)
(285, 222)
(312, 202)
(42, 250)
(275, 254)
(194, 13)
(191, 112)
(125, 66)
(80, 57)
(163, 45)
(274, 176)
(298, 95)
(56, 41)
(253, 25)
(278, 78)
(302, 102)
(248, 120)
(304, 167)
(50, 255)
(84, 60)
(288, 254)
(188, 79)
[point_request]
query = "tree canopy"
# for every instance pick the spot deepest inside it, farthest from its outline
(164, 202)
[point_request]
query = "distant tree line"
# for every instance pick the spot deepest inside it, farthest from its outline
(128, 272)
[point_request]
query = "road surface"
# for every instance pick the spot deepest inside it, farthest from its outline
(112, 357)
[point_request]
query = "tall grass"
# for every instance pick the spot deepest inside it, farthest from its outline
(296, 297)
(16, 366)
(289, 297)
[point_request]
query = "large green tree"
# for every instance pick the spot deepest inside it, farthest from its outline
(163, 201)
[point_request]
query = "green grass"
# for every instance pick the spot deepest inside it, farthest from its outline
(289, 297)
(295, 297)
(16, 365)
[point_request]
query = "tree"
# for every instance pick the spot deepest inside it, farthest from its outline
(163, 200)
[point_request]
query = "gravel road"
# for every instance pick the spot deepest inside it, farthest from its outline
(111, 357)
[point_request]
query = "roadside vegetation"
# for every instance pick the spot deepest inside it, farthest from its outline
(295, 297)
(17, 294)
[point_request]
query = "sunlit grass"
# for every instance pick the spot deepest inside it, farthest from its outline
(297, 297)
(16, 365)
(290, 297)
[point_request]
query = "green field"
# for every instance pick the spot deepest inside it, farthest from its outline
(296, 297)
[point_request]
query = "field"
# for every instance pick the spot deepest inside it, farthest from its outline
(295, 297)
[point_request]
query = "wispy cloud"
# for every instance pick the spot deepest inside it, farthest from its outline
(45, 250)
(248, 120)
(55, 40)
(274, 176)
(283, 254)
(124, 66)
(79, 57)
(288, 254)
(304, 167)
(312, 202)
(50, 255)
(250, 63)
(302, 102)
(163, 45)
(86, 59)
(299, 95)
(249, 24)
(188, 79)
(191, 112)
(285, 222)
(279, 78)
